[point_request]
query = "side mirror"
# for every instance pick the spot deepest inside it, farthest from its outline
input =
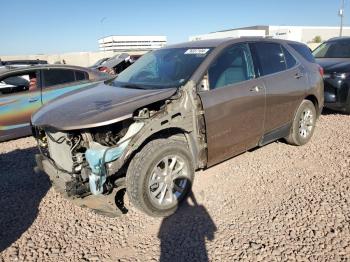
(204, 83)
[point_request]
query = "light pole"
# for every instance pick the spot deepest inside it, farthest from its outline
(103, 31)
(341, 14)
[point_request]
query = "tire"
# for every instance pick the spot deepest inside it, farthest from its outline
(147, 176)
(303, 125)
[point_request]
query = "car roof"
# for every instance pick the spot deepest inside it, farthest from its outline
(10, 69)
(212, 43)
(339, 38)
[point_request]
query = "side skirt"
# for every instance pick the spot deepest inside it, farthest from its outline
(275, 134)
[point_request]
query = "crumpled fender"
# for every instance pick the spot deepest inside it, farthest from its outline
(97, 155)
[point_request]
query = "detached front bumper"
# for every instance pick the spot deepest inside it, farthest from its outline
(101, 204)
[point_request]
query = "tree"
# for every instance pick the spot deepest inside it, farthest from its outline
(317, 39)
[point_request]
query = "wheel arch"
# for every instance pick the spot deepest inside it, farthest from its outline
(314, 100)
(180, 134)
(170, 132)
(175, 132)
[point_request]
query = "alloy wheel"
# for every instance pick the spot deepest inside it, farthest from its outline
(168, 181)
(306, 123)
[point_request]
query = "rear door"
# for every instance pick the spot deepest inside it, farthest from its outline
(19, 98)
(285, 80)
(234, 105)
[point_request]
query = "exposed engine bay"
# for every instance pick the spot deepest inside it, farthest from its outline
(84, 154)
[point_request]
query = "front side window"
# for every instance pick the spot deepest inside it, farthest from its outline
(271, 58)
(169, 67)
(333, 49)
(233, 66)
(19, 83)
(52, 77)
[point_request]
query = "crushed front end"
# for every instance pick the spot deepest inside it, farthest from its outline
(77, 163)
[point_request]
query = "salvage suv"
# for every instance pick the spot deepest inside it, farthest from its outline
(176, 110)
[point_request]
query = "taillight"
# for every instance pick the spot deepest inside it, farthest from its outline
(320, 69)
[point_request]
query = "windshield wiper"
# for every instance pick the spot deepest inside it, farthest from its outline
(134, 86)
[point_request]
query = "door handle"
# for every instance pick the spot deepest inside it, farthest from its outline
(256, 89)
(298, 75)
(33, 99)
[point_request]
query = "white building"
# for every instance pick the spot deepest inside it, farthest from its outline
(305, 34)
(131, 43)
(229, 33)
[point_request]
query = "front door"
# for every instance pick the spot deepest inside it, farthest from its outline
(234, 105)
(20, 96)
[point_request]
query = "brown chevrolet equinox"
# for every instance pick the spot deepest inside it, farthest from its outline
(176, 110)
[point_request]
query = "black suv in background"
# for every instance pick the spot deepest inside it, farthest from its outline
(334, 56)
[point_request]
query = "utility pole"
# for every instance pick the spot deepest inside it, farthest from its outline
(103, 31)
(341, 14)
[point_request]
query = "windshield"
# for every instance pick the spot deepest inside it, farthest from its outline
(100, 62)
(170, 67)
(333, 49)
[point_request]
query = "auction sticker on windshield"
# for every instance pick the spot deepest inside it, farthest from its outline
(197, 51)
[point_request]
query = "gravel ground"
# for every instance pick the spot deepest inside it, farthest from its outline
(278, 202)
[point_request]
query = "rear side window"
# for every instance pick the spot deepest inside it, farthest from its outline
(271, 58)
(53, 77)
(304, 51)
(81, 75)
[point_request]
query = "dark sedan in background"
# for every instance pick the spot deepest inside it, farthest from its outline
(334, 56)
(24, 90)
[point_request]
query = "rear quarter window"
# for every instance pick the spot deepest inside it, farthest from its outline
(304, 51)
(290, 60)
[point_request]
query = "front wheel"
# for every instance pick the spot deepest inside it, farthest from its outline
(160, 176)
(303, 125)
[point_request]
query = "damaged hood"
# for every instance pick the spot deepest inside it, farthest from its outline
(97, 105)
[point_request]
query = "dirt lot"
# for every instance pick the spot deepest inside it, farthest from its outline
(273, 203)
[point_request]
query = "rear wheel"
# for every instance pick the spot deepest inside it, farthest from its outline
(303, 125)
(160, 176)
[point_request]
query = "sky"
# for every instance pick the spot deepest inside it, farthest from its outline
(57, 26)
